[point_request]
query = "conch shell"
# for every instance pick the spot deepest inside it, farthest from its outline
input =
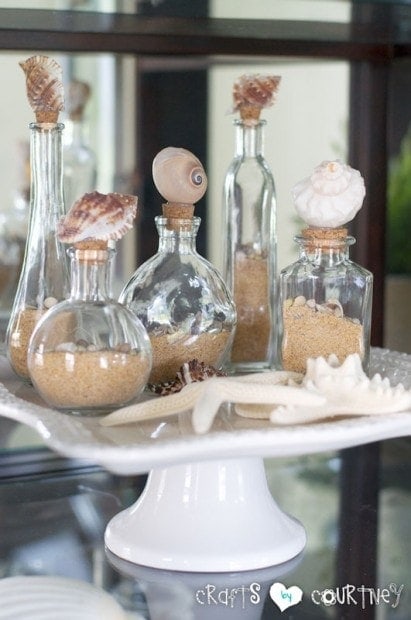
(78, 95)
(331, 196)
(252, 93)
(99, 217)
(179, 176)
(44, 86)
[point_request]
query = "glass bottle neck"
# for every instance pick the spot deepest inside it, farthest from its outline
(326, 250)
(46, 189)
(75, 133)
(249, 139)
(177, 235)
(90, 274)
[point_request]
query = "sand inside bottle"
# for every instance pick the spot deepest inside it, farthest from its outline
(312, 333)
(88, 379)
(171, 351)
(252, 334)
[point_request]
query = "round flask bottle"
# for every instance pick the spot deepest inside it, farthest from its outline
(180, 298)
(89, 354)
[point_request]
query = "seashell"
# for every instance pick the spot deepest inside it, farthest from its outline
(44, 86)
(190, 372)
(331, 196)
(99, 217)
(78, 95)
(179, 176)
(252, 93)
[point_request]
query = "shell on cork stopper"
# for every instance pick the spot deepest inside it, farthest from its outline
(77, 96)
(179, 176)
(252, 93)
(44, 85)
(96, 216)
(331, 196)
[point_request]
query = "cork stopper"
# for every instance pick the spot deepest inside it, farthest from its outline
(94, 250)
(324, 237)
(179, 215)
(250, 113)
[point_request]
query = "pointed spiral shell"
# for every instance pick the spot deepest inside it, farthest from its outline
(44, 86)
(99, 217)
(179, 176)
(78, 95)
(331, 196)
(252, 93)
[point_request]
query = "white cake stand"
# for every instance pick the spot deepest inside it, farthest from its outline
(206, 506)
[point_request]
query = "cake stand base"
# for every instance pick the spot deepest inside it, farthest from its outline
(212, 516)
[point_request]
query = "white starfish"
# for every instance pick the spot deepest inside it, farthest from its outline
(206, 397)
(327, 390)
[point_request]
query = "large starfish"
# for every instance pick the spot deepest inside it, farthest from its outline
(327, 390)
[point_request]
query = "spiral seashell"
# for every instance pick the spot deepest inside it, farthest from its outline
(99, 217)
(44, 86)
(252, 93)
(179, 176)
(78, 95)
(331, 196)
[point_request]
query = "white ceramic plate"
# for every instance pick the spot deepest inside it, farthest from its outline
(49, 598)
(137, 448)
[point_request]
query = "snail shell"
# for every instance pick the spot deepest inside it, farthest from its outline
(98, 216)
(179, 176)
(44, 86)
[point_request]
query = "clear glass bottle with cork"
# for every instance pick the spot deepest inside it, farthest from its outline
(89, 354)
(326, 298)
(80, 168)
(178, 295)
(250, 247)
(44, 276)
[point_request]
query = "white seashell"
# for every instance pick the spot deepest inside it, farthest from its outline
(44, 86)
(98, 216)
(179, 176)
(331, 196)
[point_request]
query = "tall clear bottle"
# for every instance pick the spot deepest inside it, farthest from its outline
(250, 247)
(44, 276)
(250, 250)
(80, 168)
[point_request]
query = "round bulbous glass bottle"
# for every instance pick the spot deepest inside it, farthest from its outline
(182, 301)
(44, 277)
(89, 354)
(326, 301)
(250, 250)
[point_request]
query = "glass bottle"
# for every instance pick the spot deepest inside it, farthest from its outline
(80, 169)
(182, 301)
(325, 301)
(89, 354)
(250, 249)
(44, 274)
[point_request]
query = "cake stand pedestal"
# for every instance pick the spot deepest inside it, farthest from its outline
(214, 516)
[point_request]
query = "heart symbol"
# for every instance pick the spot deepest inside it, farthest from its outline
(285, 597)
